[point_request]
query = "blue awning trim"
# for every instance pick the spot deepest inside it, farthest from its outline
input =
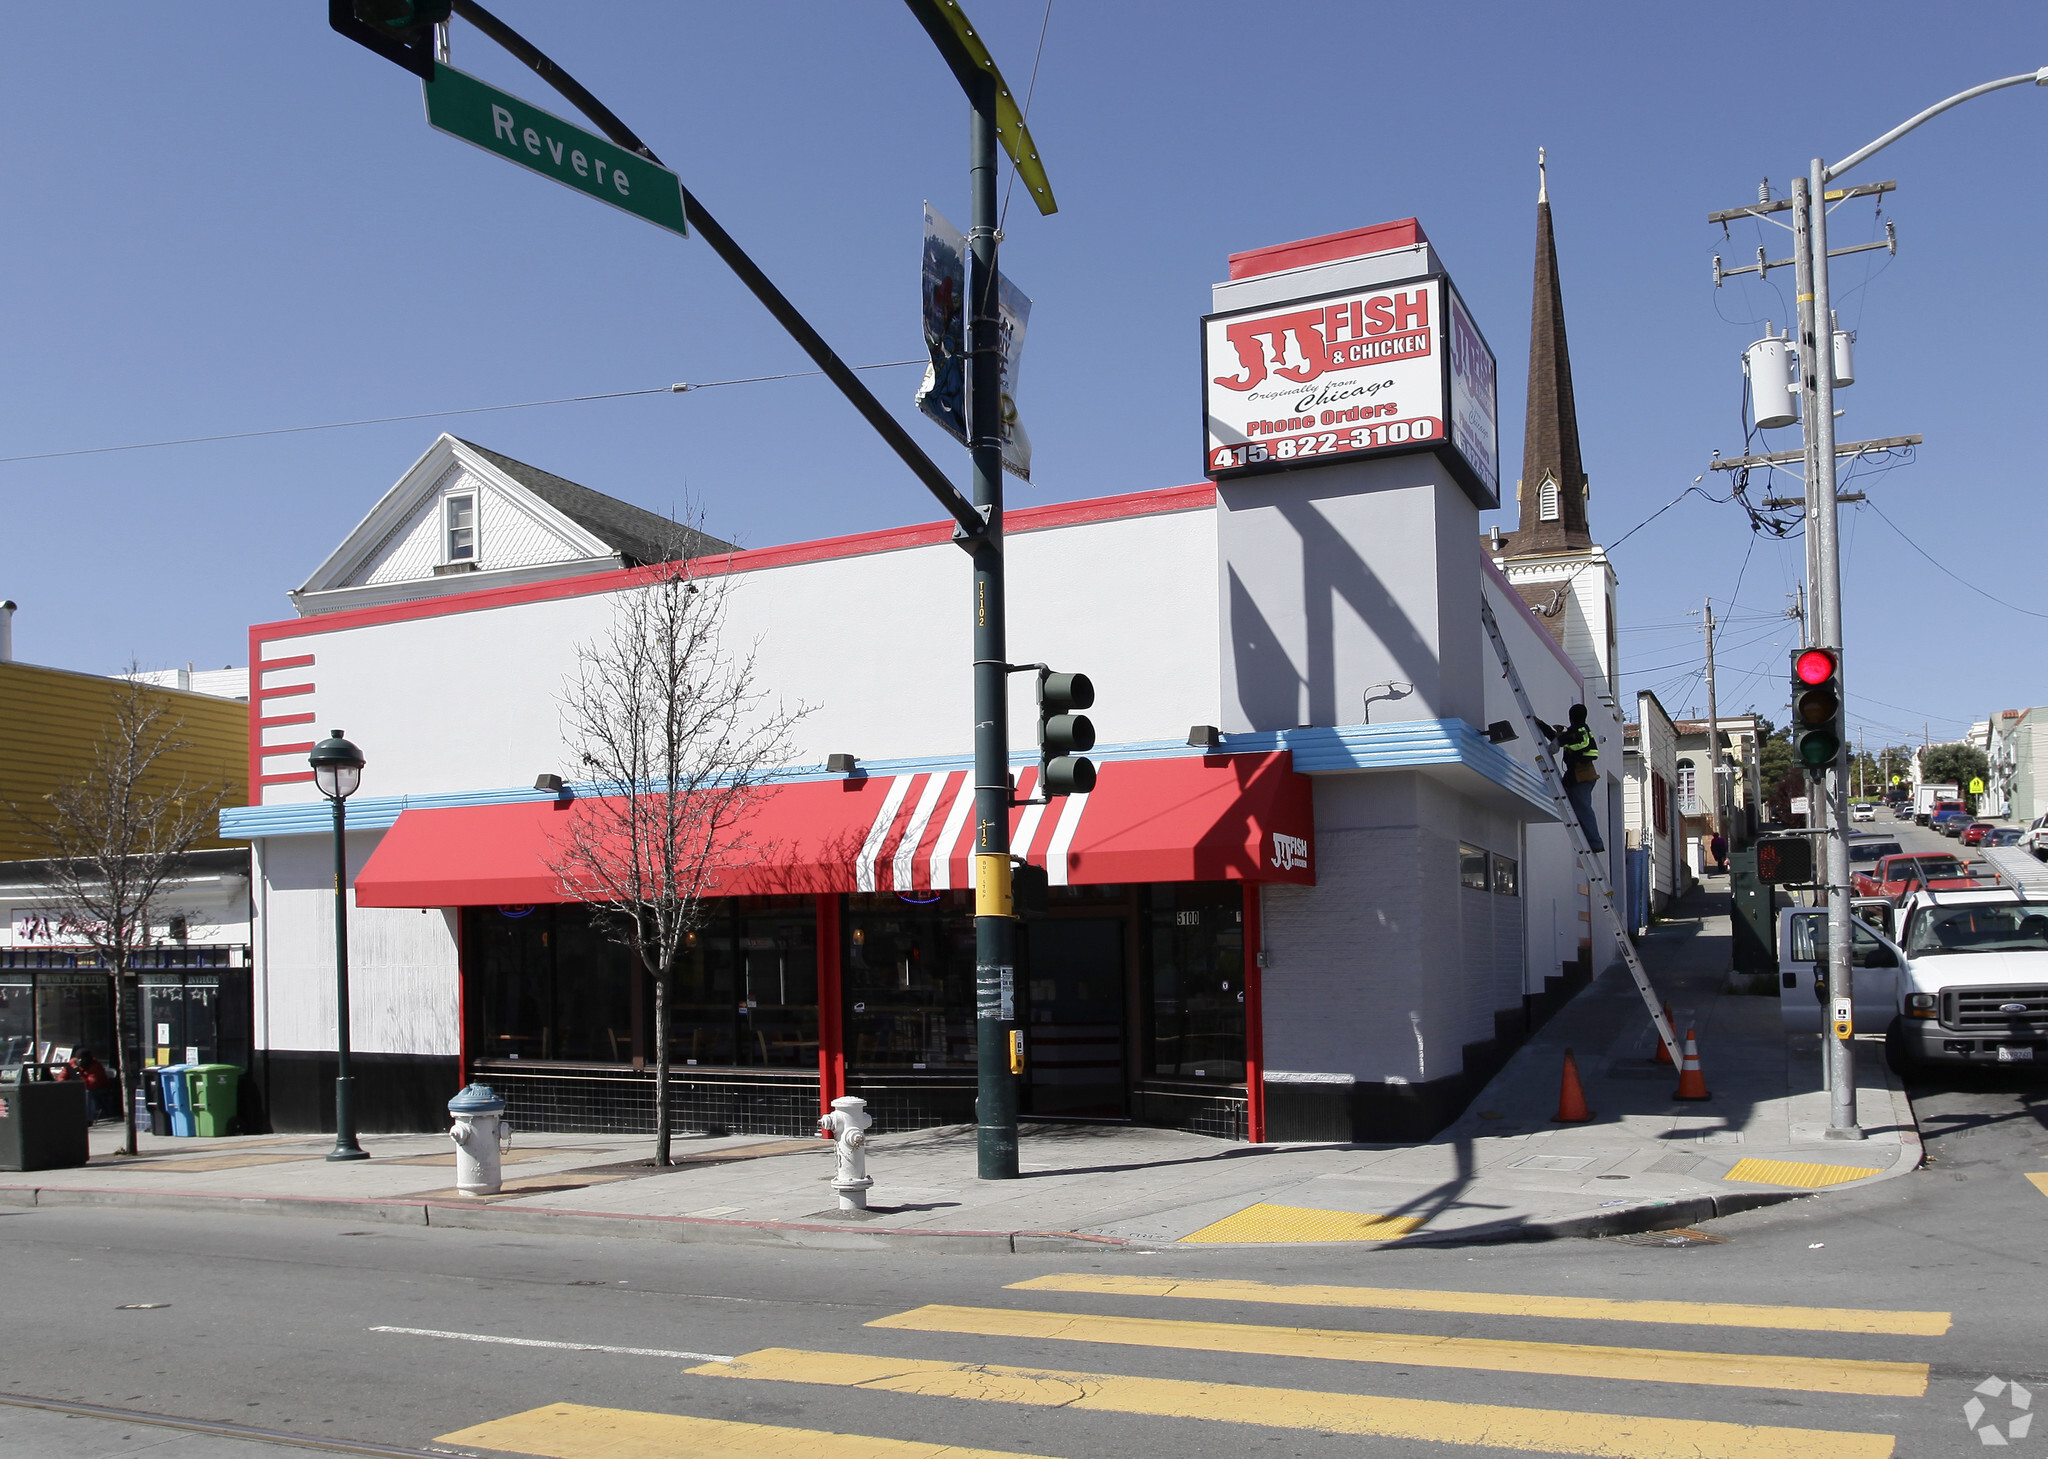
(1317, 750)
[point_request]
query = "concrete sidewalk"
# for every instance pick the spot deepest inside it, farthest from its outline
(1502, 1172)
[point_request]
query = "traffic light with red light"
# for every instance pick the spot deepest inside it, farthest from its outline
(1784, 860)
(397, 30)
(1063, 734)
(1816, 708)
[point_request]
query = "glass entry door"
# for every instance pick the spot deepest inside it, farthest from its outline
(1074, 1017)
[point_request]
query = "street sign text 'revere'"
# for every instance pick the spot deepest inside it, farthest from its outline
(1376, 371)
(540, 141)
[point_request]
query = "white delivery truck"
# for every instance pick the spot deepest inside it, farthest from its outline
(1958, 977)
(1924, 797)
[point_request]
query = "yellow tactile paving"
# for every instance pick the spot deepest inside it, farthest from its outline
(1485, 1425)
(1502, 1304)
(2040, 1180)
(1799, 1173)
(1573, 1360)
(573, 1431)
(1303, 1223)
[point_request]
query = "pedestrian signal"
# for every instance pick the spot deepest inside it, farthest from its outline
(1784, 861)
(1816, 708)
(1063, 734)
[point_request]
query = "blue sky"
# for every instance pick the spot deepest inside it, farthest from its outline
(210, 233)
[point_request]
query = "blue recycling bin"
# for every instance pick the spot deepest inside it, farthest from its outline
(178, 1099)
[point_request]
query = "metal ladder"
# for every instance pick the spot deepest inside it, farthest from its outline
(1590, 864)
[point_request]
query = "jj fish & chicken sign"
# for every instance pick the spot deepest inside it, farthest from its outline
(1367, 372)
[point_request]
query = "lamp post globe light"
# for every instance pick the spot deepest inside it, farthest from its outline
(337, 771)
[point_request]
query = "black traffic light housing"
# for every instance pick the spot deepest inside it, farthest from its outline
(1784, 860)
(1816, 708)
(1064, 734)
(397, 30)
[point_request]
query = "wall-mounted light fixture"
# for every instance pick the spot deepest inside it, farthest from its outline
(1205, 737)
(1500, 732)
(551, 783)
(841, 764)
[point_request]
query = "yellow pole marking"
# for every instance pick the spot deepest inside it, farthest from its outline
(1649, 1365)
(2040, 1181)
(574, 1431)
(1491, 1426)
(1503, 1304)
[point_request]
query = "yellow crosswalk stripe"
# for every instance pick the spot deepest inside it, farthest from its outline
(1491, 1426)
(1502, 1304)
(1797, 1173)
(2040, 1180)
(1650, 1365)
(574, 1431)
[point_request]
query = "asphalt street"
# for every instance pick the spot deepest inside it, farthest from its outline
(1861, 1322)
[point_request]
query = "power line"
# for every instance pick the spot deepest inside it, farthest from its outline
(1024, 116)
(339, 425)
(1959, 578)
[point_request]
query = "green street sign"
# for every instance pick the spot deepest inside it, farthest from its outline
(540, 141)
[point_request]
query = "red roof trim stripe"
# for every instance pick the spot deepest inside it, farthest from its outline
(1355, 243)
(1196, 497)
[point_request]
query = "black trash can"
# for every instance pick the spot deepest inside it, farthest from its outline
(42, 1120)
(153, 1101)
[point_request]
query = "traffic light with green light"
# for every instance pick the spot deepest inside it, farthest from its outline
(1816, 708)
(1064, 734)
(397, 30)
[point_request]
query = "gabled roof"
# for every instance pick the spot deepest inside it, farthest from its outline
(631, 531)
(532, 525)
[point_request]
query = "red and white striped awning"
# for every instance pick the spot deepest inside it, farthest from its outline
(1184, 818)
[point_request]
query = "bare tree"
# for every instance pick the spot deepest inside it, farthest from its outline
(118, 838)
(675, 740)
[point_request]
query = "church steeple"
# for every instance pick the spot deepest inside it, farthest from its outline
(1553, 487)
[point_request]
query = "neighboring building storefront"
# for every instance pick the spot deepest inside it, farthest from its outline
(1328, 910)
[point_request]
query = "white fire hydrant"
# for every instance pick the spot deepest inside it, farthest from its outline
(481, 1134)
(847, 1127)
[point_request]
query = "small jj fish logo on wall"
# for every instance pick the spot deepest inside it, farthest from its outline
(1290, 853)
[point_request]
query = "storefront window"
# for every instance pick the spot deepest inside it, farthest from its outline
(180, 1019)
(17, 1018)
(74, 1010)
(547, 985)
(909, 982)
(1195, 932)
(747, 990)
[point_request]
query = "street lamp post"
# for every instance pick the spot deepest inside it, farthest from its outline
(338, 770)
(1816, 335)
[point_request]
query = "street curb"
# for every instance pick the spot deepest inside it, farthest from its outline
(692, 1229)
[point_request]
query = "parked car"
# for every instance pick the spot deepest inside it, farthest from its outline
(1903, 811)
(2035, 837)
(1950, 823)
(1974, 833)
(1897, 875)
(1867, 848)
(1864, 811)
(2002, 836)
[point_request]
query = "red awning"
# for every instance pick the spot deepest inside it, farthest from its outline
(1187, 818)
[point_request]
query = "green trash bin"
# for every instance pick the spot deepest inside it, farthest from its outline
(216, 1095)
(42, 1120)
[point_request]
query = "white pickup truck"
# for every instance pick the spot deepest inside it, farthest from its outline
(1956, 977)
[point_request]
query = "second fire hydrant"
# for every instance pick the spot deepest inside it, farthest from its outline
(480, 1134)
(847, 1128)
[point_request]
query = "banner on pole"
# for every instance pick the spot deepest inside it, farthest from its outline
(943, 395)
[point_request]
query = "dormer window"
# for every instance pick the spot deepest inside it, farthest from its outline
(462, 528)
(1546, 500)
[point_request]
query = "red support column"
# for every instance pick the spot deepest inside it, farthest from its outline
(1254, 1019)
(831, 1018)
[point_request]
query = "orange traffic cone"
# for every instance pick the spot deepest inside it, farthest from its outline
(1692, 1081)
(1571, 1099)
(1664, 1049)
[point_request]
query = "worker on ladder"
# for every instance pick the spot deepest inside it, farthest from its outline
(1581, 751)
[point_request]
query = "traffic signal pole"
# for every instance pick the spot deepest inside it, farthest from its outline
(995, 927)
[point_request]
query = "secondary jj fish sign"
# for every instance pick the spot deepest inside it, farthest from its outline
(540, 141)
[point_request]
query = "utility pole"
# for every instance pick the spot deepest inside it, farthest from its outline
(1713, 723)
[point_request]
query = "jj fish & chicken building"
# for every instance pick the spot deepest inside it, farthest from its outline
(1308, 898)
